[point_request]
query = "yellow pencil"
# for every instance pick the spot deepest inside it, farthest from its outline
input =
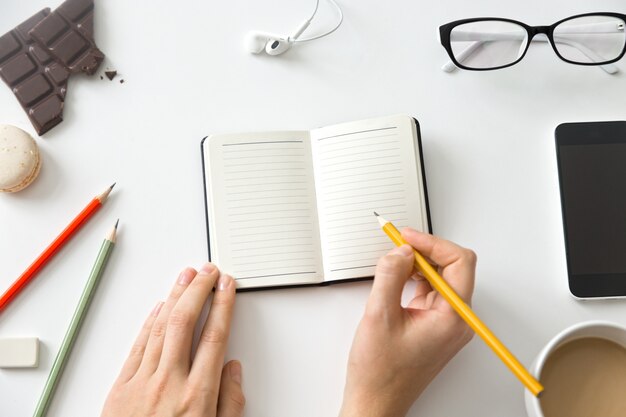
(466, 313)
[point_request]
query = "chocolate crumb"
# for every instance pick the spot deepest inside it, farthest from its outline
(101, 77)
(110, 74)
(121, 81)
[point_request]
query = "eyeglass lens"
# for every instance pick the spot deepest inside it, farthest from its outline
(590, 39)
(488, 43)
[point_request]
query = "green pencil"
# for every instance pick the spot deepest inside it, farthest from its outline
(77, 320)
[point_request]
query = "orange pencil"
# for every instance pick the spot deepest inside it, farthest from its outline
(51, 250)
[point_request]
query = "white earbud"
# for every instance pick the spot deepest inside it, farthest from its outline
(277, 46)
(256, 42)
(274, 44)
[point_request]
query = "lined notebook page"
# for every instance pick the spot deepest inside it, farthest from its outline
(262, 208)
(363, 167)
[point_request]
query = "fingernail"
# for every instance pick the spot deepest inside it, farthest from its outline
(235, 371)
(157, 308)
(224, 282)
(206, 269)
(185, 277)
(404, 250)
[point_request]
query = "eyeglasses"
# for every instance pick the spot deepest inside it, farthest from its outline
(490, 43)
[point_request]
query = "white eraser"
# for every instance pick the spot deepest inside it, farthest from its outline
(22, 352)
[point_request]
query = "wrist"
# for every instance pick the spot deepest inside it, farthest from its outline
(372, 406)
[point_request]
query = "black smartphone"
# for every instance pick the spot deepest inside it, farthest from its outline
(591, 161)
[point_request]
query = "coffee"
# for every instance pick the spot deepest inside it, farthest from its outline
(584, 378)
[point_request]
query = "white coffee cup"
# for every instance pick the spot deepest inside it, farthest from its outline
(601, 329)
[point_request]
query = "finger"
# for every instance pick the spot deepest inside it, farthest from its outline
(131, 365)
(183, 319)
(458, 264)
(154, 347)
(231, 401)
(392, 272)
(209, 358)
(441, 252)
(422, 287)
(423, 302)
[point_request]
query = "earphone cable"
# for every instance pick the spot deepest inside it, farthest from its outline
(317, 5)
(330, 31)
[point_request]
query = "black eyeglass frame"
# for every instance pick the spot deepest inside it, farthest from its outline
(446, 30)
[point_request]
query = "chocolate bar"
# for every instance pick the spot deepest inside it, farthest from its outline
(36, 79)
(67, 35)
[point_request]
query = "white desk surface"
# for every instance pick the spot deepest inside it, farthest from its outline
(490, 164)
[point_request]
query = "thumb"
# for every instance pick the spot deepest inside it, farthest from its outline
(458, 263)
(392, 272)
(231, 400)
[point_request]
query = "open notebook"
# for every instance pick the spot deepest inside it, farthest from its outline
(296, 207)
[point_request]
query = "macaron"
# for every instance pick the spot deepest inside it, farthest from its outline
(19, 159)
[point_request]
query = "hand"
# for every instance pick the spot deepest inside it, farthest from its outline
(160, 378)
(397, 351)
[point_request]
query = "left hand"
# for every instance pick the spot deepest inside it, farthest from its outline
(160, 378)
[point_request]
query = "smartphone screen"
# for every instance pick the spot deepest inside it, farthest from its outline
(592, 177)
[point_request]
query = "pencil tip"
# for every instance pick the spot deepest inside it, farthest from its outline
(111, 187)
(116, 223)
(376, 214)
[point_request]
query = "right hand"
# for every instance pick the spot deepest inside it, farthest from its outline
(397, 351)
